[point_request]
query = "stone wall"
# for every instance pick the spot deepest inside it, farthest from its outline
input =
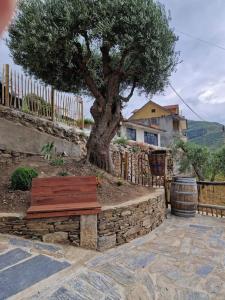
(9, 157)
(122, 223)
(55, 230)
(21, 132)
(116, 225)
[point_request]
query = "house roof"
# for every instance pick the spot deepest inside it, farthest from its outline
(169, 107)
(162, 107)
(166, 108)
(139, 125)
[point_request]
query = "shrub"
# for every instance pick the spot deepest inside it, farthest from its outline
(121, 141)
(35, 104)
(57, 162)
(22, 178)
(88, 121)
(48, 150)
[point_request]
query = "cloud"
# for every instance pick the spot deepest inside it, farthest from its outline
(214, 93)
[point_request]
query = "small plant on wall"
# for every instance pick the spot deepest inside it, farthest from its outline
(48, 150)
(21, 178)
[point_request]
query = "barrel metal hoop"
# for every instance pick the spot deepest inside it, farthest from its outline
(186, 193)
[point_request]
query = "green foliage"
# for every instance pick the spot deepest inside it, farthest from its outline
(35, 104)
(86, 41)
(88, 121)
(58, 161)
(21, 178)
(48, 150)
(63, 173)
(121, 141)
(206, 164)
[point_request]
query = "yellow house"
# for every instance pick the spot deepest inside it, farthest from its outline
(167, 118)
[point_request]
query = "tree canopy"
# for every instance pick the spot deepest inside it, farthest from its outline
(206, 164)
(64, 42)
(101, 47)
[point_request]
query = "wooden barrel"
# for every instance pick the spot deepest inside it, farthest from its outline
(184, 196)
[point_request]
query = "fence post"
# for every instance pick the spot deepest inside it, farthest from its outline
(6, 85)
(53, 103)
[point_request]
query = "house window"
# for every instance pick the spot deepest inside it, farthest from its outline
(154, 121)
(153, 110)
(131, 134)
(151, 138)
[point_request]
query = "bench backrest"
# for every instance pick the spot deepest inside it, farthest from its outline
(59, 190)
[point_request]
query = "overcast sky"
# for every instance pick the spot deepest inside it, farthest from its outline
(200, 78)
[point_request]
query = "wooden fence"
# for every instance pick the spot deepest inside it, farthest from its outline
(135, 168)
(30, 96)
(211, 198)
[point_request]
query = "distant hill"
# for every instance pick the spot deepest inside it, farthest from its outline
(208, 134)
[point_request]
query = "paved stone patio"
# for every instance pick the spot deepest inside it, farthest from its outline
(181, 259)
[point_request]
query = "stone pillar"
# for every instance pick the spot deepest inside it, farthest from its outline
(88, 231)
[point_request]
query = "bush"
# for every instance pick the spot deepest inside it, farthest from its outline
(48, 150)
(121, 141)
(57, 162)
(88, 121)
(22, 178)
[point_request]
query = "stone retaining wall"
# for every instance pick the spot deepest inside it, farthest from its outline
(116, 225)
(25, 133)
(55, 230)
(122, 223)
(9, 157)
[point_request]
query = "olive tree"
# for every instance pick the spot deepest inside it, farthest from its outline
(102, 48)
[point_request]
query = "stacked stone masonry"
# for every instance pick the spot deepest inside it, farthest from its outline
(116, 225)
(9, 157)
(126, 222)
(56, 230)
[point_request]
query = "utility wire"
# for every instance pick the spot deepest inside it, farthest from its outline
(179, 96)
(201, 40)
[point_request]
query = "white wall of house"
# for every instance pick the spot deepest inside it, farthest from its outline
(139, 133)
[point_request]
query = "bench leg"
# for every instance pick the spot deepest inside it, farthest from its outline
(88, 231)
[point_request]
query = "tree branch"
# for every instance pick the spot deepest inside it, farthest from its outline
(87, 43)
(126, 99)
(106, 59)
(87, 76)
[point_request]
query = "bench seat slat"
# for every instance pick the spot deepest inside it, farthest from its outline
(63, 207)
(63, 199)
(52, 190)
(64, 181)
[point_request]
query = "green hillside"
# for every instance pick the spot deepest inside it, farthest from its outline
(210, 134)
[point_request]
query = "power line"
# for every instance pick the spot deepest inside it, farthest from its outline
(202, 40)
(179, 96)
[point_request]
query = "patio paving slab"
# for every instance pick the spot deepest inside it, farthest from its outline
(182, 259)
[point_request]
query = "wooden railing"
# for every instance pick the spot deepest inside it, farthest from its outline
(211, 198)
(30, 96)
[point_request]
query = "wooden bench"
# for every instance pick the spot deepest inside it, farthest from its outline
(63, 196)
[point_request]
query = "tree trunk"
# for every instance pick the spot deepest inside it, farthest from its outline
(107, 121)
